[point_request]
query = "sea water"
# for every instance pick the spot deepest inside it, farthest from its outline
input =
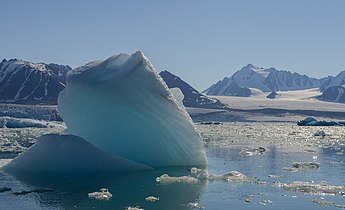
(260, 150)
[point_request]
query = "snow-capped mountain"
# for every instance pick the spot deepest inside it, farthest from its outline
(226, 87)
(333, 81)
(334, 94)
(192, 98)
(31, 83)
(266, 80)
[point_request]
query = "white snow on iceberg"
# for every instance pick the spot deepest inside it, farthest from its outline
(54, 153)
(123, 107)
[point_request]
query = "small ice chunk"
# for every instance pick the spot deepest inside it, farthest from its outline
(133, 208)
(320, 133)
(103, 194)
(275, 176)
(340, 206)
(323, 202)
(306, 165)
(287, 169)
(296, 166)
(265, 202)
(246, 153)
(250, 152)
(195, 206)
(152, 199)
(166, 179)
(232, 176)
(277, 184)
(195, 170)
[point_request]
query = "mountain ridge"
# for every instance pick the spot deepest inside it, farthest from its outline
(31, 83)
(271, 79)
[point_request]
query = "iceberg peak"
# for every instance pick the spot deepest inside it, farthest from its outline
(123, 106)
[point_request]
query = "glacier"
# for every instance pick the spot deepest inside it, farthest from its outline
(56, 153)
(123, 107)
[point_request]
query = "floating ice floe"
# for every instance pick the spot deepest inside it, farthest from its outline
(296, 166)
(250, 152)
(320, 133)
(133, 208)
(312, 188)
(103, 194)
(195, 170)
(166, 179)
(323, 202)
(152, 199)
(12, 122)
(195, 206)
(265, 202)
(275, 176)
(306, 165)
(232, 176)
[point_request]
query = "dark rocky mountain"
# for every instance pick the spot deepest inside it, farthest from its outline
(334, 94)
(192, 98)
(23, 82)
(272, 95)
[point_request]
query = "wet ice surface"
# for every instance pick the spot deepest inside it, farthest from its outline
(233, 180)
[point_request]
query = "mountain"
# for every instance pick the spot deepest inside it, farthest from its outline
(334, 94)
(227, 87)
(333, 81)
(266, 80)
(192, 98)
(272, 95)
(24, 82)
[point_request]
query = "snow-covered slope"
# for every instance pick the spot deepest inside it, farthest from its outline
(266, 80)
(227, 87)
(192, 98)
(334, 94)
(31, 83)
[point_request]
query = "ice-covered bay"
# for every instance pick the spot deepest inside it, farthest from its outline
(285, 144)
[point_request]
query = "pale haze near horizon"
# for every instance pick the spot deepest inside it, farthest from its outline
(200, 41)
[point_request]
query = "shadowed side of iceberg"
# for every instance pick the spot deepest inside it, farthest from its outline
(124, 107)
(55, 153)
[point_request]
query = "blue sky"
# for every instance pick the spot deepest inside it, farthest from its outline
(201, 41)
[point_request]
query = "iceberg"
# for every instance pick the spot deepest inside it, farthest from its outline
(56, 153)
(123, 107)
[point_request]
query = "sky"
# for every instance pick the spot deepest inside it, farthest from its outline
(201, 41)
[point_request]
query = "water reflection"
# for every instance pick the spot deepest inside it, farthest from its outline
(71, 191)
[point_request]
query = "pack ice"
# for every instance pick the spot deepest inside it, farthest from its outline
(123, 107)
